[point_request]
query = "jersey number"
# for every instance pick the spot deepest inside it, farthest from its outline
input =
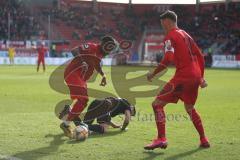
(85, 46)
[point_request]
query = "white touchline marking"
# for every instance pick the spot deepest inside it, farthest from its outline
(6, 157)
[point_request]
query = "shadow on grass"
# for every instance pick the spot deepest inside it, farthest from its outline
(152, 155)
(108, 134)
(44, 151)
(184, 154)
(96, 135)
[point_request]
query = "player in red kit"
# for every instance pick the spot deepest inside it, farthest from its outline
(87, 58)
(182, 51)
(41, 57)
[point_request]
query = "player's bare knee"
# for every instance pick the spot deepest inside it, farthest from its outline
(155, 103)
(188, 107)
(158, 104)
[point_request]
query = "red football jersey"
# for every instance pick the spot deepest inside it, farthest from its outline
(89, 58)
(41, 52)
(182, 51)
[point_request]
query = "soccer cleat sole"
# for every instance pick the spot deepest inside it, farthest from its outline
(205, 145)
(161, 145)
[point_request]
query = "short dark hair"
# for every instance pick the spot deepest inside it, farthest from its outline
(169, 15)
(108, 44)
(107, 38)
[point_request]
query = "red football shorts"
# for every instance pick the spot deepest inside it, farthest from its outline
(77, 86)
(41, 60)
(183, 89)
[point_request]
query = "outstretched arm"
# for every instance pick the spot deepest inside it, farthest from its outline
(100, 71)
(168, 58)
(114, 125)
(126, 120)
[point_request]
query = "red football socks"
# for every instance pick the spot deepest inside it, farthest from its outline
(76, 110)
(160, 119)
(197, 122)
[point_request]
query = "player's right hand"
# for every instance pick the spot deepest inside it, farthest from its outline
(203, 83)
(150, 77)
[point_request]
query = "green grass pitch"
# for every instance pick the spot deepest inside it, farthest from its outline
(29, 129)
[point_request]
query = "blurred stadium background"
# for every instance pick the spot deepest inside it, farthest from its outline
(63, 24)
(29, 128)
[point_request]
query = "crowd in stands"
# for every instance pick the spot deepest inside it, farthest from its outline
(94, 24)
(216, 30)
(22, 24)
(124, 24)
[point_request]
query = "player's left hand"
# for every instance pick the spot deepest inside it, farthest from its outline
(104, 81)
(203, 84)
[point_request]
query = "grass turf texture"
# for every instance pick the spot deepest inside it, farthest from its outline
(29, 129)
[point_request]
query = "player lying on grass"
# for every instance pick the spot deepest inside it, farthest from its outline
(103, 110)
(87, 58)
(182, 51)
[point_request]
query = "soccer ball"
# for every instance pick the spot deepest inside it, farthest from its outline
(80, 133)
